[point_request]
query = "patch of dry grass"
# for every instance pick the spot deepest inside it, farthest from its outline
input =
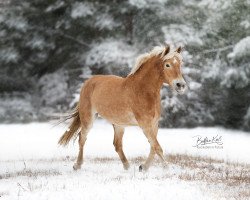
(3, 193)
(234, 178)
(30, 173)
(212, 170)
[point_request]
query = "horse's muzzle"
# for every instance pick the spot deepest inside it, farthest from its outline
(180, 86)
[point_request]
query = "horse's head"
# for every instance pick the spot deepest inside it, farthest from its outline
(172, 75)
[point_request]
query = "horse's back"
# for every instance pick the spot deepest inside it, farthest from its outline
(104, 84)
(108, 89)
(99, 80)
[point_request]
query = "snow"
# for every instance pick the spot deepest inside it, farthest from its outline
(173, 103)
(53, 87)
(80, 9)
(182, 34)
(215, 4)
(235, 77)
(212, 71)
(55, 6)
(242, 48)
(245, 24)
(18, 23)
(105, 21)
(37, 43)
(110, 51)
(19, 139)
(9, 55)
(140, 4)
(194, 85)
(32, 149)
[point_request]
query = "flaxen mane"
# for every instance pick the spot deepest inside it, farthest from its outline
(158, 50)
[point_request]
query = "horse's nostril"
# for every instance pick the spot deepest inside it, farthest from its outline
(178, 84)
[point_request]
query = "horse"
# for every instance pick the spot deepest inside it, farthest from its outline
(131, 101)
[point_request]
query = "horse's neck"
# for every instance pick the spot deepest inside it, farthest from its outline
(147, 78)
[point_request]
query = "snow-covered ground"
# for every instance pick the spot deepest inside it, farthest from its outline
(33, 166)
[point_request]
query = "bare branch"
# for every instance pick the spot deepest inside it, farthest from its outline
(218, 49)
(73, 39)
(63, 35)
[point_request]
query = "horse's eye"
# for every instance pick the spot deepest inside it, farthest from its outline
(167, 65)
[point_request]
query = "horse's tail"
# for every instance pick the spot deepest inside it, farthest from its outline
(73, 129)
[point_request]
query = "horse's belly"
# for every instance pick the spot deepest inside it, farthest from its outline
(111, 101)
(126, 118)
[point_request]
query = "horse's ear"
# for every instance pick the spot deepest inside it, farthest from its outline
(179, 49)
(166, 51)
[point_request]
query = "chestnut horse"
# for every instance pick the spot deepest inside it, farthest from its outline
(131, 101)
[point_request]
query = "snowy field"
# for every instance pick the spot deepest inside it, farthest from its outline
(33, 166)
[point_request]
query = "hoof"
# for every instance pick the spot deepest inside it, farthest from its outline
(76, 166)
(126, 166)
(140, 168)
(143, 168)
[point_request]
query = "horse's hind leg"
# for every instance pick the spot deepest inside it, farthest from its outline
(81, 142)
(118, 135)
(86, 123)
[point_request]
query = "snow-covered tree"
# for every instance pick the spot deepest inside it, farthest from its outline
(49, 47)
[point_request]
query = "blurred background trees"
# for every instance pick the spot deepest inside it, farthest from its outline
(49, 47)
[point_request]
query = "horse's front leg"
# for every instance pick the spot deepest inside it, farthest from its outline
(155, 148)
(118, 134)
